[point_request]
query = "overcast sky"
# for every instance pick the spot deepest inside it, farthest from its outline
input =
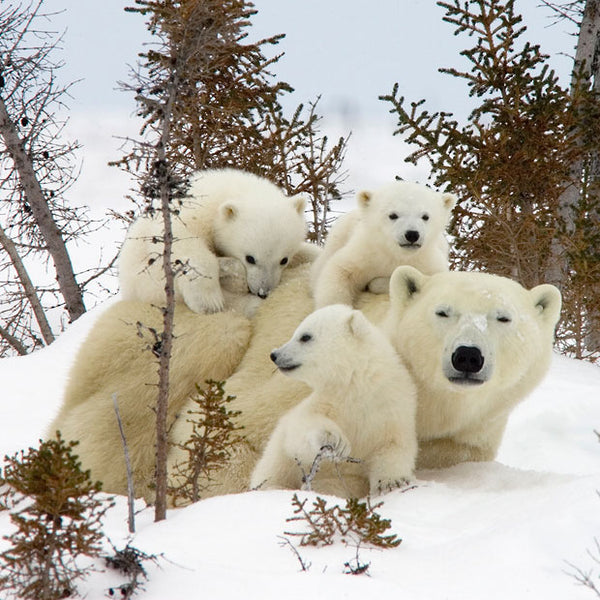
(347, 51)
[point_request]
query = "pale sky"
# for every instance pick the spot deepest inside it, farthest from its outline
(348, 51)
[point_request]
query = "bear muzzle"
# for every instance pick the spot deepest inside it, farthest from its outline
(411, 240)
(283, 363)
(467, 366)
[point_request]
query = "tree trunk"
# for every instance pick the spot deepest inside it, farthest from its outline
(586, 64)
(28, 287)
(162, 403)
(587, 57)
(39, 207)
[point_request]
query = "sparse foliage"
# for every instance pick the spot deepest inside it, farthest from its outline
(512, 161)
(589, 578)
(55, 509)
(208, 100)
(37, 169)
(228, 111)
(356, 523)
(214, 437)
(129, 562)
(326, 453)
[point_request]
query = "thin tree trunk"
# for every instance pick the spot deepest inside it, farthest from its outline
(13, 341)
(43, 216)
(586, 65)
(160, 509)
(587, 57)
(28, 287)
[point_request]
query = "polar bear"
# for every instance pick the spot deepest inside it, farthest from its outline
(362, 405)
(460, 416)
(475, 344)
(397, 224)
(228, 213)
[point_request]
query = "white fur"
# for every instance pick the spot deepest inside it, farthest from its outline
(362, 404)
(228, 213)
(401, 223)
(475, 344)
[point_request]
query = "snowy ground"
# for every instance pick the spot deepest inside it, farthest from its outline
(496, 530)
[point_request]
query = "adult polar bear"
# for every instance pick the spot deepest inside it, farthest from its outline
(461, 412)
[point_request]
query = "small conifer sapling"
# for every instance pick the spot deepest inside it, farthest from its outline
(57, 513)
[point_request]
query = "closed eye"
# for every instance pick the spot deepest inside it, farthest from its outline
(503, 319)
(305, 337)
(442, 313)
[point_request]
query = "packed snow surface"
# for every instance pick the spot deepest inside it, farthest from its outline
(513, 528)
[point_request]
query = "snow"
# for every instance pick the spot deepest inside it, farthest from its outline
(506, 529)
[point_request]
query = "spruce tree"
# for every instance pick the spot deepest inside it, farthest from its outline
(55, 509)
(511, 161)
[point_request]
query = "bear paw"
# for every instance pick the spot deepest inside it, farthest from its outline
(379, 285)
(203, 295)
(232, 275)
(332, 445)
(384, 486)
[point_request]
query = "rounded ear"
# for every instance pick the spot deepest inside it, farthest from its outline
(364, 198)
(449, 200)
(229, 211)
(548, 301)
(357, 323)
(405, 283)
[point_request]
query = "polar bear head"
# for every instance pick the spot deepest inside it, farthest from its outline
(328, 345)
(467, 333)
(408, 215)
(263, 229)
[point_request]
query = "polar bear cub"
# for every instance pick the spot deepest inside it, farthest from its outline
(362, 405)
(401, 223)
(229, 213)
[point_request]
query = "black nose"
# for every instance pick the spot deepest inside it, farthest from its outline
(467, 359)
(273, 356)
(412, 236)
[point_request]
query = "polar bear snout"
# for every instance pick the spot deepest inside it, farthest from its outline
(467, 366)
(468, 359)
(284, 363)
(412, 236)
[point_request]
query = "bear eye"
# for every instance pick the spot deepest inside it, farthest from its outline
(442, 312)
(425, 217)
(284, 261)
(305, 337)
(393, 216)
(250, 259)
(503, 319)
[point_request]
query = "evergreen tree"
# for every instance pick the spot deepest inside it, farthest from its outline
(511, 162)
(208, 100)
(55, 508)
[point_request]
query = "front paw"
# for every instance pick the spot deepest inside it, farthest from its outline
(332, 445)
(379, 285)
(202, 295)
(386, 485)
(232, 275)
